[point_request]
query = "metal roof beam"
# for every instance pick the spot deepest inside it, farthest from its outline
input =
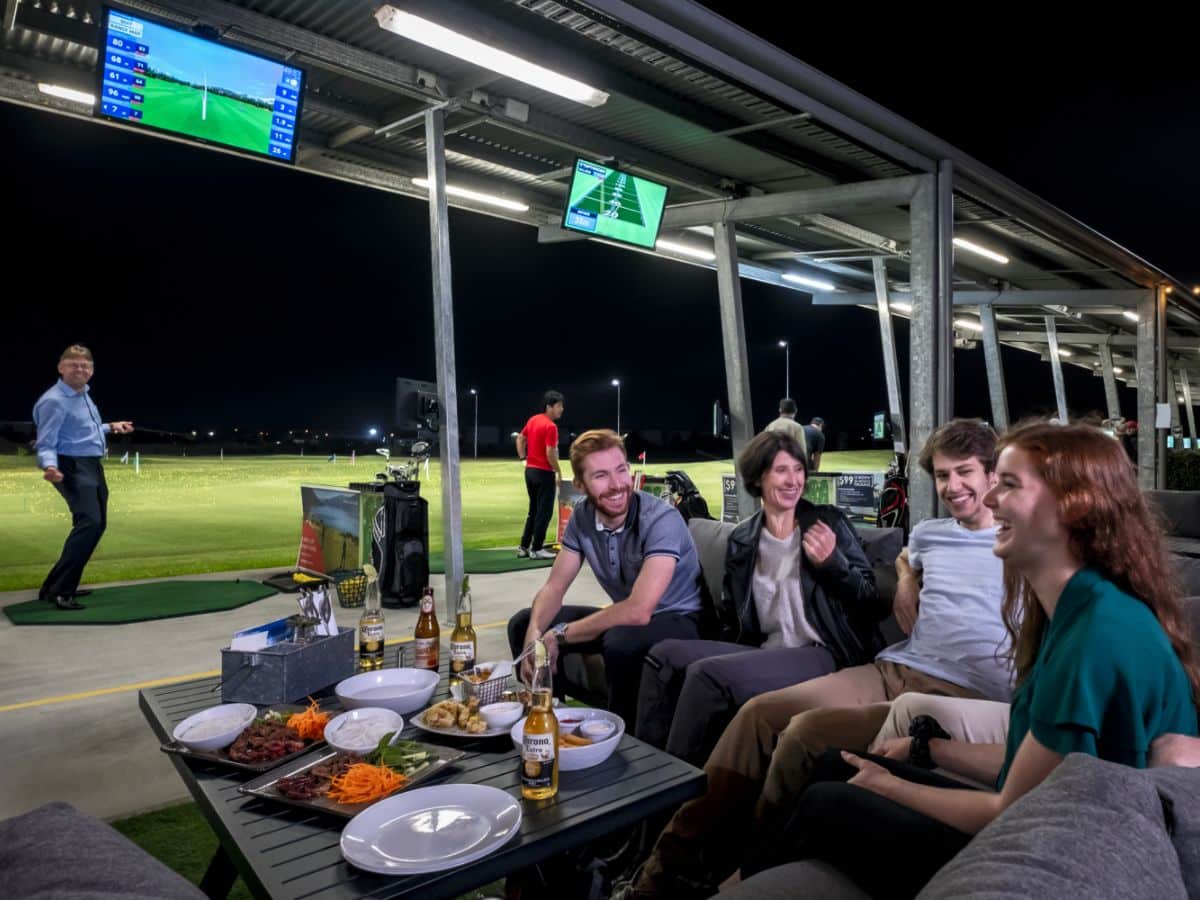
(857, 197)
(1111, 298)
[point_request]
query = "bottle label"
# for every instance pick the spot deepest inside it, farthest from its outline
(462, 655)
(371, 639)
(427, 603)
(537, 760)
(426, 653)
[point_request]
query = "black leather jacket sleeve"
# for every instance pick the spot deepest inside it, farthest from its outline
(847, 576)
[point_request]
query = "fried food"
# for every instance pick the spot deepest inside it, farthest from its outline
(452, 714)
(574, 740)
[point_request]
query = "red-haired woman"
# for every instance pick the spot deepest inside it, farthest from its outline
(1102, 659)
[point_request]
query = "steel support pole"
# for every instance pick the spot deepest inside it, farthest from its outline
(995, 367)
(1111, 398)
(1173, 398)
(1060, 390)
(733, 337)
(923, 342)
(1147, 390)
(891, 370)
(944, 291)
(1186, 384)
(1160, 349)
(443, 335)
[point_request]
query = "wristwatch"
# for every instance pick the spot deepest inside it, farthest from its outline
(560, 632)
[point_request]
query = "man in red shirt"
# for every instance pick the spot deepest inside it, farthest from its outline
(537, 444)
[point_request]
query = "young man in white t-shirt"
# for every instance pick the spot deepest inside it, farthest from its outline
(948, 599)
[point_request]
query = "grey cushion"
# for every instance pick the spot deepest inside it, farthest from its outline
(810, 879)
(1182, 788)
(1186, 570)
(57, 852)
(1092, 829)
(711, 539)
(1181, 509)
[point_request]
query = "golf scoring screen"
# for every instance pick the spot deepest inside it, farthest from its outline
(161, 78)
(613, 204)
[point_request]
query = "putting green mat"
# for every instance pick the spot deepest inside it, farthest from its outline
(488, 562)
(142, 602)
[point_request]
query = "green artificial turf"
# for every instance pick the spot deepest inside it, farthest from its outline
(180, 838)
(142, 602)
(185, 515)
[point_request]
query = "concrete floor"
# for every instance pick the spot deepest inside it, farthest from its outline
(97, 751)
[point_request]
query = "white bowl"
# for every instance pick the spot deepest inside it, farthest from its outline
(571, 759)
(216, 727)
(388, 721)
(502, 715)
(401, 690)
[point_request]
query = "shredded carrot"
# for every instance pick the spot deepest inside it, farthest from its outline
(363, 783)
(311, 723)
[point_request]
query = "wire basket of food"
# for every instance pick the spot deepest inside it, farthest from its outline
(487, 681)
(351, 587)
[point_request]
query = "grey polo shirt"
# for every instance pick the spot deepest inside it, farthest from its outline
(652, 528)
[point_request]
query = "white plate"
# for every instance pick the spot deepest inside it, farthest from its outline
(572, 759)
(431, 829)
(419, 721)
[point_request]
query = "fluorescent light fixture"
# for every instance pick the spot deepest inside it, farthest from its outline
(809, 282)
(900, 306)
(970, 325)
(1117, 370)
(1062, 351)
(489, 199)
(66, 93)
(685, 250)
(1130, 315)
(982, 251)
(1179, 399)
(441, 38)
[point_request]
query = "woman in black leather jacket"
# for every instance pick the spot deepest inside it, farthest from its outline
(798, 602)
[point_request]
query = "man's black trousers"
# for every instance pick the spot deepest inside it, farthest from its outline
(86, 492)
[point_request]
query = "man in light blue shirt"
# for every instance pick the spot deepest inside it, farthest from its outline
(70, 445)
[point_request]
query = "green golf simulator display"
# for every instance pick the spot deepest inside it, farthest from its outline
(613, 204)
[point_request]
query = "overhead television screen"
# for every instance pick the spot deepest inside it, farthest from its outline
(164, 79)
(879, 427)
(612, 204)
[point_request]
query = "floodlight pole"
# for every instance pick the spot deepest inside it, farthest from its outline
(616, 382)
(787, 368)
(475, 394)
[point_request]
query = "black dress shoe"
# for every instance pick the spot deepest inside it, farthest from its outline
(64, 602)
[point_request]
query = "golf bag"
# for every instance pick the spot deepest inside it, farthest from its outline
(687, 496)
(893, 503)
(400, 544)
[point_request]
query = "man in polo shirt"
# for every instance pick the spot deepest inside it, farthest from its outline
(70, 444)
(787, 424)
(537, 444)
(642, 554)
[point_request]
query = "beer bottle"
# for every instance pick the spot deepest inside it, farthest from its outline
(426, 634)
(539, 746)
(370, 625)
(462, 638)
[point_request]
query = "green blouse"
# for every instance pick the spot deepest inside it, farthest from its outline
(1106, 680)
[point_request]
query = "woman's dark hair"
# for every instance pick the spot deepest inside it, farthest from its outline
(1110, 527)
(961, 439)
(758, 456)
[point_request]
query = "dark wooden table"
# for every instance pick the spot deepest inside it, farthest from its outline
(281, 851)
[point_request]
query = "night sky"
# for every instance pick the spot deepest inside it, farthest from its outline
(220, 292)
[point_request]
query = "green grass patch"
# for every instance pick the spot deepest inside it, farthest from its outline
(187, 515)
(180, 838)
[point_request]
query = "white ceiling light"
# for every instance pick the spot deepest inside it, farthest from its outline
(441, 38)
(489, 199)
(964, 244)
(1062, 351)
(685, 250)
(1130, 315)
(808, 282)
(1117, 370)
(66, 93)
(969, 324)
(900, 306)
